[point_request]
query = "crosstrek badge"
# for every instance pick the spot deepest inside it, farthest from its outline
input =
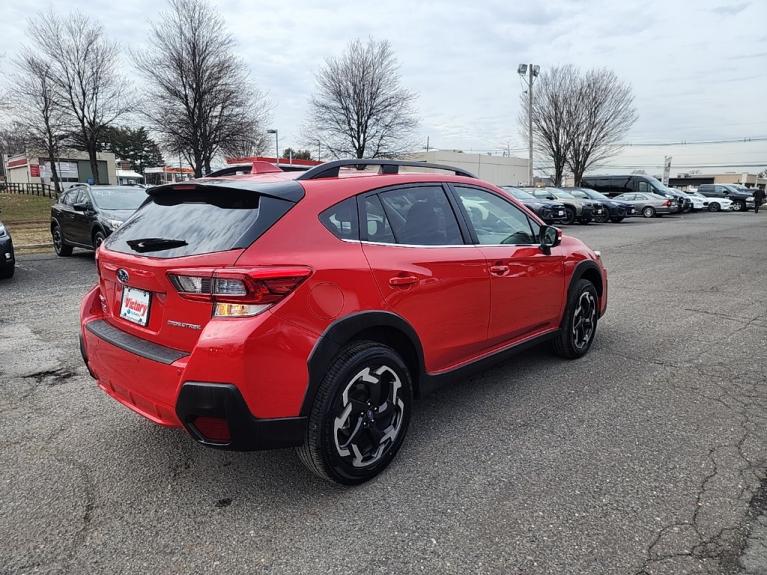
(135, 305)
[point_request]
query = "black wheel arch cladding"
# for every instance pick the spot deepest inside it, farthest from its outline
(375, 325)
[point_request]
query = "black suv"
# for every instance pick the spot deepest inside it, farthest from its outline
(84, 215)
(612, 186)
(740, 197)
(7, 257)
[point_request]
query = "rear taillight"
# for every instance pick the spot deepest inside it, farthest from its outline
(237, 292)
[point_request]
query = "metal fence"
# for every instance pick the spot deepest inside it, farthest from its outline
(44, 190)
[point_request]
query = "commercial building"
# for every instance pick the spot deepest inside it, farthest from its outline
(499, 170)
(126, 175)
(71, 166)
(167, 175)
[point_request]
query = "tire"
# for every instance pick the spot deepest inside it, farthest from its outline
(741, 205)
(8, 271)
(569, 215)
(356, 379)
(648, 212)
(575, 339)
(714, 207)
(584, 221)
(59, 246)
(603, 219)
(616, 220)
(98, 239)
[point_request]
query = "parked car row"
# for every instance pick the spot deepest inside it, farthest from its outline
(614, 198)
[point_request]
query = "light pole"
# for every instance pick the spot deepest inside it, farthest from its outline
(531, 71)
(276, 146)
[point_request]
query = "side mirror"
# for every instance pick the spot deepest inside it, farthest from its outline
(726, 193)
(81, 207)
(550, 238)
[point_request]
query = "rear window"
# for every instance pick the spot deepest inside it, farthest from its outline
(185, 223)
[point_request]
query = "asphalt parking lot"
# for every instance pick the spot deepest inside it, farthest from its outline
(647, 456)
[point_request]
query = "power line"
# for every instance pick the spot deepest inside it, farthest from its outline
(697, 142)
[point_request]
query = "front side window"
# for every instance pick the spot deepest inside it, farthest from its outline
(644, 187)
(421, 215)
(495, 220)
(67, 198)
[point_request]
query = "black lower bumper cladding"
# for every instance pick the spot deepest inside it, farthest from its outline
(247, 433)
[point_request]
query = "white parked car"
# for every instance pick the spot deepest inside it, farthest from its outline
(701, 202)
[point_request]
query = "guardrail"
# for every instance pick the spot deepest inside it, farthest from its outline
(45, 190)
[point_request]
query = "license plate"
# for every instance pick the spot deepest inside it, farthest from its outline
(561, 213)
(135, 305)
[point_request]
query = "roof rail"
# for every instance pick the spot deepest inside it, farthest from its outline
(331, 169)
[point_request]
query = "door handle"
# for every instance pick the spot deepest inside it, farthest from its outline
(499, 269)
(401, 281)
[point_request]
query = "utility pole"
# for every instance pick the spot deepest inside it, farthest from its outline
(531, 70)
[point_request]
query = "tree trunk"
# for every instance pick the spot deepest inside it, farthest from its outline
(94, 162)
(55, 174)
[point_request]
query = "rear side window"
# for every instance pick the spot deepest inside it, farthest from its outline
(341, 220)
(422, 216)
(185, 223)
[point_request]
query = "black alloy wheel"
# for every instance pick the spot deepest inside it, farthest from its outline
(579, 325)
(360, 415)
(98, 239)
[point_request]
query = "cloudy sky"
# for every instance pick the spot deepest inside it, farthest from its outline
(698, 69)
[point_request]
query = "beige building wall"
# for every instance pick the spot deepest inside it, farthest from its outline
(22, 174)
(497, 170)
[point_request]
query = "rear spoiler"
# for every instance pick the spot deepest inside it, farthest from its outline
(289, 190)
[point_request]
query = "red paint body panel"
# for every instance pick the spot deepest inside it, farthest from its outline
(458, 308)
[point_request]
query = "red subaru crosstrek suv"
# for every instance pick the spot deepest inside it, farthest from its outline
(283, 309)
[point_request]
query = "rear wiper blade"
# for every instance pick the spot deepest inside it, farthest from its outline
(154, 244)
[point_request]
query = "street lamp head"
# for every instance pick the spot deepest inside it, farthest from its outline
(271, 131)
(522, 69)
(536, 69)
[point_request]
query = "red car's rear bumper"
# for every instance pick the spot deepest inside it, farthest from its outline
(150, 379)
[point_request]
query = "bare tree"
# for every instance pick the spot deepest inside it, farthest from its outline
(200, 101)
(40, 114)
(603, 113)
(83, 68)
(552, 111)
(360, 109)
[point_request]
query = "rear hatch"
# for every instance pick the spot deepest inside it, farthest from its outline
(175, 243)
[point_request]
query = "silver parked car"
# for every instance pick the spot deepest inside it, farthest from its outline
(649, 205)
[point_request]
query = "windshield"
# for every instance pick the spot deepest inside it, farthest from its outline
(578, 194)
(520, 194)
(124, 198)
(595, 195)
(562, 194)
